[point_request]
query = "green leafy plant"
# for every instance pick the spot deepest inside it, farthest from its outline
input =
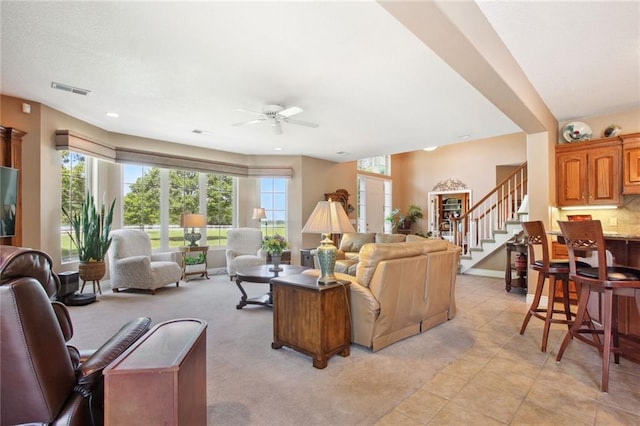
(194, 260)
(414, 213)
(90, 228)
(274, 244)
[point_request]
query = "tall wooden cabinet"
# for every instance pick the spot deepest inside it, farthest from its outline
(631, 163)
(589, 173)
(11, 156)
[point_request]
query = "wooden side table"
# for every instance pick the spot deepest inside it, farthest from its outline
(306, 259)
(520, 267)
(186, 252)
(311, 318)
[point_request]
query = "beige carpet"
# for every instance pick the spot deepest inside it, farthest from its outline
(250, 383)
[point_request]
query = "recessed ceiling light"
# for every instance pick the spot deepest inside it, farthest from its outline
(113, 114)
(342, 153)
(278, 148)
(430, 148)
(464, 137)
(67, 88)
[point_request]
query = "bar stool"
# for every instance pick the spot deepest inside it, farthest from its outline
(610, 281)
(548, 269)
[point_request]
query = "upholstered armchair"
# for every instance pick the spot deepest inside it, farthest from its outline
(133, 265)
(244, 248)
(44, 381)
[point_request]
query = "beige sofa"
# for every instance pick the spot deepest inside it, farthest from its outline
(401, 289)
(350, 245)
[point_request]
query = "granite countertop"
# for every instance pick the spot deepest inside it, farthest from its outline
(610, 235)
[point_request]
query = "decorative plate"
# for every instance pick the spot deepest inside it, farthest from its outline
(576, 131)
(611, 131)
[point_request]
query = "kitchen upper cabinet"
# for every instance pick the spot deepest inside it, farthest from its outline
(631, 166)
(589, 173)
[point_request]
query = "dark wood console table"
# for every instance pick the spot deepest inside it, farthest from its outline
(520, 267)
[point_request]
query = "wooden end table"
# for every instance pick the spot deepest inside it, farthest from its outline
(311, 318)
(262, 274)
(520, 268)
(186, 251)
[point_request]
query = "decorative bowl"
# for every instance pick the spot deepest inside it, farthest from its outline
(576, 131)
(611, 131)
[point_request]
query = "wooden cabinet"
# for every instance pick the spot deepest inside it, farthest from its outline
(311, 318)
(588, 173)
(631, 163)
(161, 379)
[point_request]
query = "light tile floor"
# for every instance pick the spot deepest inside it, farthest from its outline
(504, 378)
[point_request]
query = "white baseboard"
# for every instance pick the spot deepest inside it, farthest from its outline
(485, 273)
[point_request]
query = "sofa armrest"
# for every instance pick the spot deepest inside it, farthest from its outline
(365, 309)
(91, 370)
(133, 262)
(167, 256)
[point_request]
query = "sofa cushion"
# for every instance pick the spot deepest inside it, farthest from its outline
(412, 238)
(353, 241)
(390, 238)
(372, 254)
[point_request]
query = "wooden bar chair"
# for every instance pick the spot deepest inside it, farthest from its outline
(551, 270)
(609, 281)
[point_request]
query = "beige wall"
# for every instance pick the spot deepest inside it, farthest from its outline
(474, 163)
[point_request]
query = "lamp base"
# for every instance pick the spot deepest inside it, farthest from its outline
(327, 259)
(193, 238)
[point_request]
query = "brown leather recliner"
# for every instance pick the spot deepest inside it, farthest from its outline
(44, 381)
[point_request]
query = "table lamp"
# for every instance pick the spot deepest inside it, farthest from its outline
(192, 221)
(327, 218)
(258, 214)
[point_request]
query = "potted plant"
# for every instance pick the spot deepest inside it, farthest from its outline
(413, 214)
(274, 245)
(89, 232)
(392, 217)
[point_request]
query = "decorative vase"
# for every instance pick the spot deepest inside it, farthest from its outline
(275, 260)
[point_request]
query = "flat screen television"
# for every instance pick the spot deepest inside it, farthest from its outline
(8, 199)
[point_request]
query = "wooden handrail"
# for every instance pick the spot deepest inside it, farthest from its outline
(492, 211)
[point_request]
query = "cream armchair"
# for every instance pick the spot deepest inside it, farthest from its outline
(244, 248)
(133, 265)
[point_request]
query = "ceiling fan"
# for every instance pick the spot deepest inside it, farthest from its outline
(275, 115)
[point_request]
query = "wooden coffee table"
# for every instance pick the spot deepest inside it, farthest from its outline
(262, 274)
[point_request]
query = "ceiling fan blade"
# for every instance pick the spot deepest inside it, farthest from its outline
(256, 121)
(277, 128)
(249, 111)
(290, 111)
(301, 123)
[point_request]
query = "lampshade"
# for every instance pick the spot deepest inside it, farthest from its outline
(327, 218)
(259, 213)
(188, 220)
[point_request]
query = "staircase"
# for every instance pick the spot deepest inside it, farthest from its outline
(492, 221)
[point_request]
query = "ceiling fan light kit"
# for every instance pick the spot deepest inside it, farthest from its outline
(276, 114)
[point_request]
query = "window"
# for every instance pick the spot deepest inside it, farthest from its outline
(74, 188)
(155, 199)
(380, 165)
(273, 197)
(220, 190)
(141, 200)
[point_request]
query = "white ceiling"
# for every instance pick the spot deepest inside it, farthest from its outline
(171, 67)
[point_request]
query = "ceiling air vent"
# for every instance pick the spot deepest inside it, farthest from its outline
(67, 88)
